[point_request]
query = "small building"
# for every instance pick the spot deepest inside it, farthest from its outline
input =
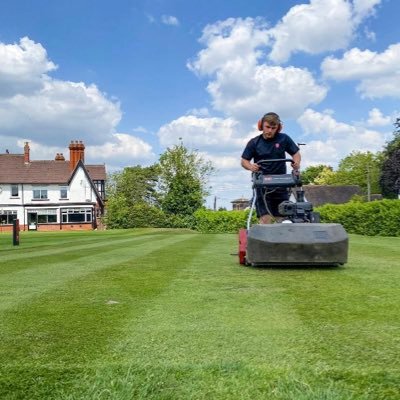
(323, 194)
(54, 194)
(240, 204)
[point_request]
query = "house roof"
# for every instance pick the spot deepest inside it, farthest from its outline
(241, 200)
(96, 172)
(13, 169)
(323, 194)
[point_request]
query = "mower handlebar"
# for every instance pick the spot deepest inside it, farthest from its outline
(275, 160)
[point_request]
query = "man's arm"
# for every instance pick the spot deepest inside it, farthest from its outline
(296, 160)
(246, 164)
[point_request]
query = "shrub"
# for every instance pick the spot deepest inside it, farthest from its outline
(375, 218)
(208, 221)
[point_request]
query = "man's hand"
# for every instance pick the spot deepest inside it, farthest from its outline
(295, 165)
(296, 160)
(254, 167)
(250, 166)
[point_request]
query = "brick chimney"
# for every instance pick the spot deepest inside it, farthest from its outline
(76, 153)
(60, 157)
(26, 153)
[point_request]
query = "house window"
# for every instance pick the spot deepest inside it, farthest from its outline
(39, 194)
(14, 190)
(7, 217)
(46, 215)
(100, 187)
(63, 192)
(74, 215)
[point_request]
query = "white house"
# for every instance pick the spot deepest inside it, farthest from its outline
(51, 194)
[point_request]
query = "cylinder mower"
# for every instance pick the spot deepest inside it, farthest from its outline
(299, 238)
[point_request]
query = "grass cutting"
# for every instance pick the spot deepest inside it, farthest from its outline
(170, 314)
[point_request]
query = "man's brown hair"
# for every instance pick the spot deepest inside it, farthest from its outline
(272, 118)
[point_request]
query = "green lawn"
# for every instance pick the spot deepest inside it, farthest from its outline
(158, 314)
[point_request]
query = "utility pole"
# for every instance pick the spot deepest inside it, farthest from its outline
(368, 184)
(215, 203)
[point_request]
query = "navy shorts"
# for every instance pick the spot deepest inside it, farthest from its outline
(272, 198)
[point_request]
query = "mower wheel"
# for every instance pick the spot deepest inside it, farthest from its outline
(315, 217)
(242, 246)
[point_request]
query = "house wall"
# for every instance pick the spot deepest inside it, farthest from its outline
(80, 188)
(80, 196)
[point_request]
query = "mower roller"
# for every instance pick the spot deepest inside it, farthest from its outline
(299, 239)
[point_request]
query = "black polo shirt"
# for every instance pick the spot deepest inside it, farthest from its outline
(260, 148)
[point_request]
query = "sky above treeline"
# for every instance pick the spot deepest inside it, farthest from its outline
(131, 78)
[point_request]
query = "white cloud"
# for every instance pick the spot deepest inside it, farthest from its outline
(376, 118)
(222, 161)
(44, 111)
(170, 20)
(40, 152)
(23, 67)
(60, 109)
(34, 104)
(321, 25)
(241, 86)
(122, 149)
(334, 140)
(370, 35)
(379, 72)
(364, 8)
(245, 94)
(140, 129)
(199, 112)
(384, 86)
(362, 64)
(229, 41)
(150, 18)
(211, 134)
(228, 186)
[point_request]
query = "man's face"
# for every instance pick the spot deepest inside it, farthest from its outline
(269, 131)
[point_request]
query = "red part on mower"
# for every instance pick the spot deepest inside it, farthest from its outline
(242, 246)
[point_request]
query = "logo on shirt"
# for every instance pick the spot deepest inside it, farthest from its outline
(277, 145)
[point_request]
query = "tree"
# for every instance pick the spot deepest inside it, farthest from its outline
(310, 173)
(390, 173)
(133, 198)
(394, 144)
(135, 184)
(327, 176)
(357, 168)
(183, 180)
(362, 169)
(162, 195)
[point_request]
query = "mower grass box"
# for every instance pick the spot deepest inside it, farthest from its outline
(297, 244)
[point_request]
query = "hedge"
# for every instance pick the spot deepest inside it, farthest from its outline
(375, 218)
(208, 221)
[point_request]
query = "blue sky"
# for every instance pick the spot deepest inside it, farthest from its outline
(131, 78)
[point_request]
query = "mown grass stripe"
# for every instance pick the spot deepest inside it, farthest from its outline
(79, 311)
(53, 254)
(46, 273)
(46, 246)
(201, 310)
(76, 324)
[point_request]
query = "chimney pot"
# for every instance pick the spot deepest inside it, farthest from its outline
(77, 153)
(26, 153)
